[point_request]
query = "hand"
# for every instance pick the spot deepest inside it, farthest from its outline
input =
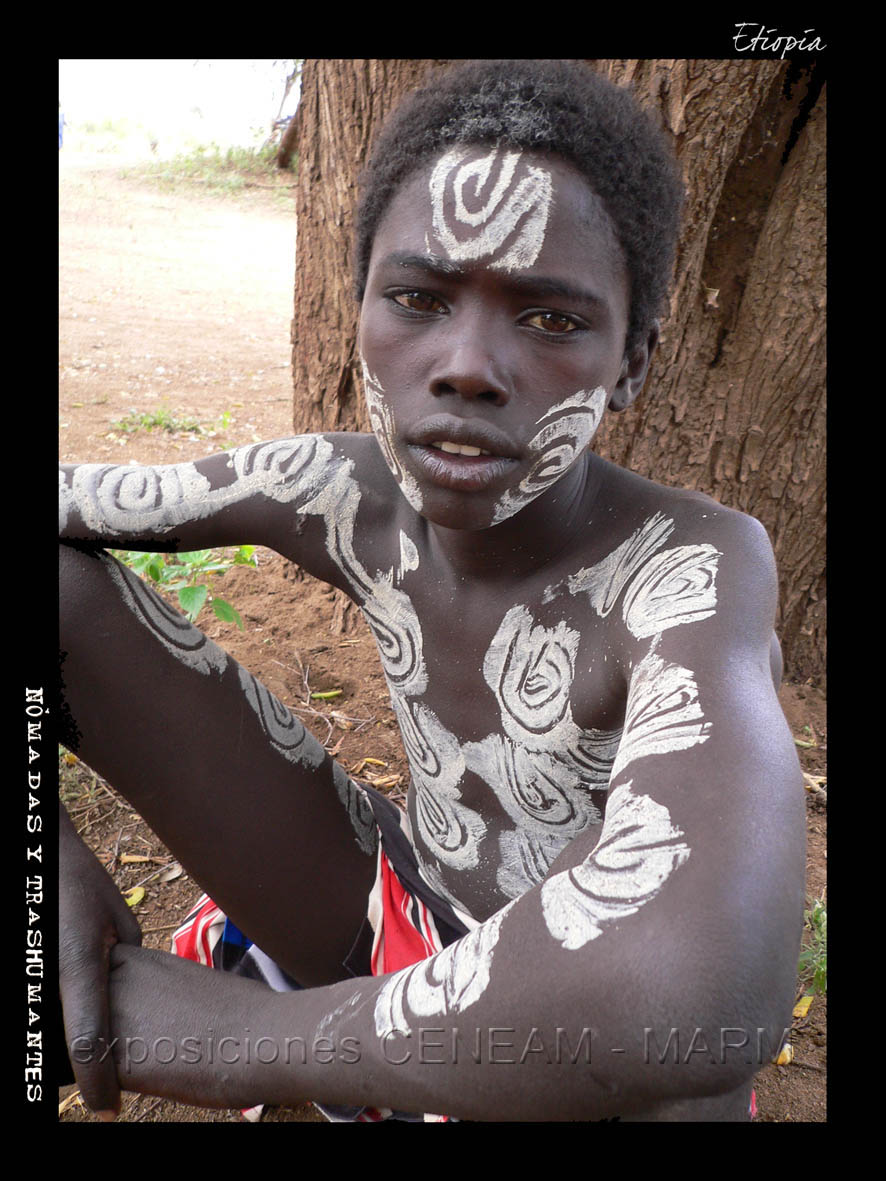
(93, 917)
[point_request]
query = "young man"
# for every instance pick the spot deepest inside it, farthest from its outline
(602, 860)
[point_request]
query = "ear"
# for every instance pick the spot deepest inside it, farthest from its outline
(634, 368)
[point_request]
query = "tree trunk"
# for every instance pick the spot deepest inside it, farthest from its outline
(735, 401)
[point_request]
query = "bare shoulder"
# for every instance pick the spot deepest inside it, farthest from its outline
(690, 510)
(674, 558)
(685, 517)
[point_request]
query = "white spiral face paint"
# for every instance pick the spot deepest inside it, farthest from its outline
(638, 850)
(449, 982)
(569, 429)
(499, 206)
(381, 419)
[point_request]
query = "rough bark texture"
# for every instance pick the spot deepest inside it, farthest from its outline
(735, 402)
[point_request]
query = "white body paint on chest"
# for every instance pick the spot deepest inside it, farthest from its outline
(499, 206)
(543, 767)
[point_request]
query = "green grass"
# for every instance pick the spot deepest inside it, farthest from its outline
(225, 170)
(813, 965)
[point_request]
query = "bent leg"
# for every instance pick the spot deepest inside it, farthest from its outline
(249, 802)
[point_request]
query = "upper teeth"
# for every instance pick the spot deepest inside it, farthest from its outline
(459, 448)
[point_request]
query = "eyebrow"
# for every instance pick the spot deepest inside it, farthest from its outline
(539, 285)
(425, 262)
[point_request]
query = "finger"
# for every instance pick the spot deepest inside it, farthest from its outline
(84, 997)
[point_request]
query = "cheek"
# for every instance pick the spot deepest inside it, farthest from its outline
(381, 420)
(566, 430)
(570, 426)
(381, 417)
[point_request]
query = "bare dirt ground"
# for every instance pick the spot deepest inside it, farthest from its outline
(175, 303)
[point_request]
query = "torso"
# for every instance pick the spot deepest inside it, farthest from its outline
(510, 695)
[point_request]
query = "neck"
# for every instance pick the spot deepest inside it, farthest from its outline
(528, 541)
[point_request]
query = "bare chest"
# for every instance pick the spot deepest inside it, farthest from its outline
(510, 717)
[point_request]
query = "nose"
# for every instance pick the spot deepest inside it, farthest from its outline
(470, 365)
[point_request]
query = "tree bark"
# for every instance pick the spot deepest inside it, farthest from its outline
(735, 402)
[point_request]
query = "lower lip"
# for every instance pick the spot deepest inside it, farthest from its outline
(460, 473)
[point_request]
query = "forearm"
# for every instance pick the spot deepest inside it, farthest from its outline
(482, 1031)
(538, 1044)
(168, 507)
(213, 501)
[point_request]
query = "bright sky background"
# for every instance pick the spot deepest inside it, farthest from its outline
(230, 101)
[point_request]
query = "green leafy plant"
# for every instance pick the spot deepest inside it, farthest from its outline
(813, 965)
(190, 575)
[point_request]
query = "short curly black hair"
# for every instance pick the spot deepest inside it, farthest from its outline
(545, 106)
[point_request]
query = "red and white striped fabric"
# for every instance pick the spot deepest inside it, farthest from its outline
(405, 930)
(197, 937)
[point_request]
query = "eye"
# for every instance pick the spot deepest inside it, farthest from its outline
(554, 323)
(418, 301)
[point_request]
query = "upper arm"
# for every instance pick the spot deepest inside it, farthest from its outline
(701, 854)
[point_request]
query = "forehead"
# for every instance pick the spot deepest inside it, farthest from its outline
(505, 210)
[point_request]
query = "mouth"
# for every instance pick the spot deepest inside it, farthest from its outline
(461, 455)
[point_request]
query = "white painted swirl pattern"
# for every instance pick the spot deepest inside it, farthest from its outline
(569, 428)
(674, 587)
(638, 850)
(449, 982)
(500, 206)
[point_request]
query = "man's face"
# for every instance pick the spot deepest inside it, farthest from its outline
(492, 331)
